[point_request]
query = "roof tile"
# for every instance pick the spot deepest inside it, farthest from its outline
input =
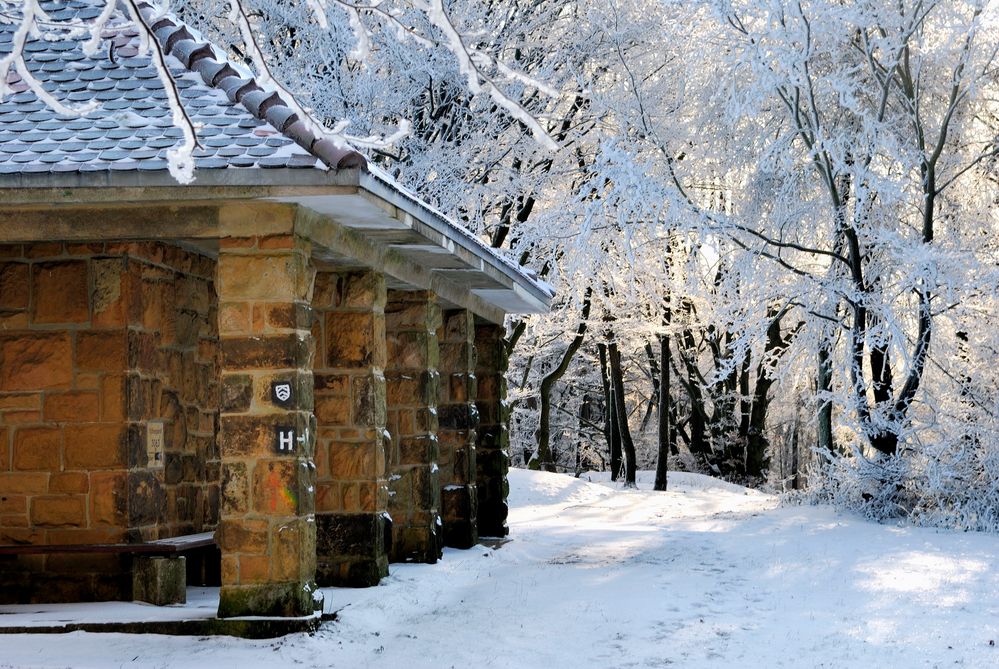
(132, 129)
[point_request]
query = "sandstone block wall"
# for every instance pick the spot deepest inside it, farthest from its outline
(267, 531)
(353, 526)
(492, 456)
(458, 420)
(412, 319)
(97, 341)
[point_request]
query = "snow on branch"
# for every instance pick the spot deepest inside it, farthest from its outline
(237, 14)
(473, 63)
(33, 20)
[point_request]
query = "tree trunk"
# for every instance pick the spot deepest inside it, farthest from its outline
(611, 433)
(627, 445)
(665, 429)
(824, 386)
(654, 375)
(545, 459)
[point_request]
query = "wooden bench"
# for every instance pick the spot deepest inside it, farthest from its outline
(161, 547)
(159, 570)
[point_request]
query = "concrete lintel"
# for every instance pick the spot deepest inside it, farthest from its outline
(133, 221)
(116, 186)
(342, 246)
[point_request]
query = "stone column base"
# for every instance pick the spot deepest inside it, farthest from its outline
(460, 505)
(352, 548)
(159, 580)
(267, 599)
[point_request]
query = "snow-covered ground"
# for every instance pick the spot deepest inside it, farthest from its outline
(706, 575)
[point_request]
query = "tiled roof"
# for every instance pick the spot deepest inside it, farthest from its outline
(239, 123)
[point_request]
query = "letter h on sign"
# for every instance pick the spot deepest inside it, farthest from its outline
(285, 439)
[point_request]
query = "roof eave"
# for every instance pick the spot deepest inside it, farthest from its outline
(488, 277)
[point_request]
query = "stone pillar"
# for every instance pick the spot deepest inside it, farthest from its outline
(492, 458)
(267, 530)
(411, 322)
(458, 419)
(352, 521)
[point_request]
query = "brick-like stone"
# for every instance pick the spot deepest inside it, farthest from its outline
(59, 511)
(277, 487)
(244, 536)
(74, 482)
(13, 504)
(37, 449)
(14, 285)
(333, 410)
(32, 483)
(108, 499)
(353, 339)
(360, 290)
(72, 407)
(102, 351)
(254, 569)
(235, 488)
(112, 398)
(237, 393)
(60, 292)
(254, 435)
(287, 351)
(146, 499)
(36, 361)
(109, 294)
(97, 446)
(21, 401)
(262, 277)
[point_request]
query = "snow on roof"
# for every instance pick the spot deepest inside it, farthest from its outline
(239, 123)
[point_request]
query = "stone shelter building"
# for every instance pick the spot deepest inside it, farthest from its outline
(291, 355)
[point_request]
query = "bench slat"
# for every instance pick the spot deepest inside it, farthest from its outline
(158, 547)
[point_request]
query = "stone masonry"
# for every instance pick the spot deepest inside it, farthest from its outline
(458, 420)
(353, 525)
(98, 341)
(267, 530)
(492, 457)
(412, 319)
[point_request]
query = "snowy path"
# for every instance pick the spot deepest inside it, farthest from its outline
(706, 575)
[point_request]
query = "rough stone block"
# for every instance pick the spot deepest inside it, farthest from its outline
(59, 511)
(333, 409)
(235, 488)
(293, 551)
(286, 351)
(72, 407)
(159, 580)
(96, 446)
(234, 318)
(29, 483)
(35, 361)
(60, 292)
(146, 499)
(266, 599)
(38, 448)
(102, 351)
(262, 277)
(358, 290)
(369, 392)
(243, 535)
(237, 393)
(108, 498)
(14, 285)
(278, 486)
(108, 296)
(354, 340)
